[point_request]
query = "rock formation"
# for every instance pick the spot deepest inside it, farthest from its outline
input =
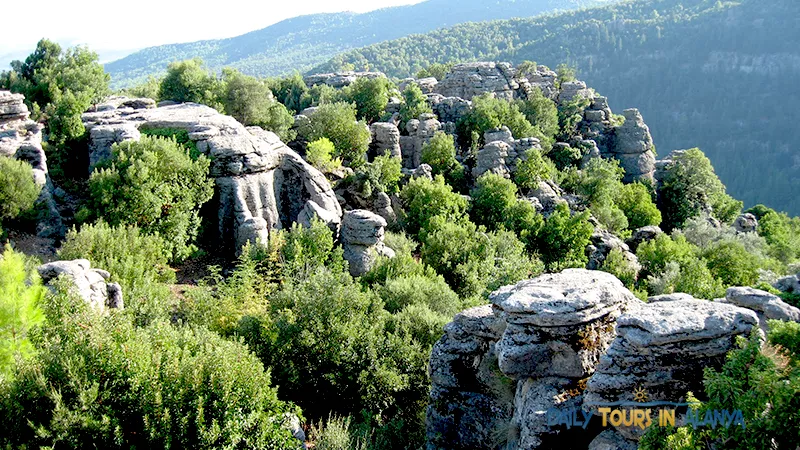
(91, 284)
(789, 284)
(472, 79)
(385, 140)
(420, 131)
(633, 147)
(339, 79)
(21, 138)
(642, 235)
(261, 184)
(746, 223)
(602, 242)
(576, 339)
(449, 109)
(362, 240)
(766, 305)
(502, 153)
(571, 90)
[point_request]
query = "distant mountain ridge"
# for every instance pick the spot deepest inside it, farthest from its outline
(303, 42)
(719, 75)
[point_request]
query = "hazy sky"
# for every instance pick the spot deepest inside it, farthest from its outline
(113, 29)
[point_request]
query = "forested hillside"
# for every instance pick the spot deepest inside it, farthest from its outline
(718, 75)
(302, 42)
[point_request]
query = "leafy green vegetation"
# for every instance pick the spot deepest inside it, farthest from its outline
(18, 191)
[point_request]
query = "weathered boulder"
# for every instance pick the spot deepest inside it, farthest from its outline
(492, 158)
(21, 138)
(571, 90)
(449, 109)
(746, 223)
(362, 240)
(633, 147)
(602, 243)
(790, 284)
(385, 139)
(766, 305)
(542, 78)
(641, 235)
(114, 102)
(420, 131)
(548, 197)
(662, 348)
(339, 79)
(90, 284)
(261, 184)
(472, 79)
(670, 297)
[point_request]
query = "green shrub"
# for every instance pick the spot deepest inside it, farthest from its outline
(337, 122)
(440, 154)
(782, 234)
(431, 291)
(570, 114)
(370, 96)
(533, 169)
(731, 263)
(616, 264)
(414, 104)
(307, 250)
(179, 135)
(492, 197)
(655, 254)
(695, 278)
(425, 199)
(156, 185)
(563, 239)
(190, 81)
(250, 101)
(489, 113)
(139, 263)
(523, 219)
(542, 113)
(21, 294)
(381, 175)
(636, 203)
(472, 261)
(18, 191)
(101, 382)
(787, 335)
(320, 155)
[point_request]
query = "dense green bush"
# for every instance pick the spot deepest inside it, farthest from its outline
(190, 81)
(782, 234)
(18, 191)
(101, 382)
(655, 254)
(600, 182)
(337, 122)
(370, 97)
(731, 263)
(153, 184)
(542, 113)
(21, 295)
(689, 187)
(381, 175)
(492, 197)
(139, 263)
(414, 104)
(534, 168)
(563, 239)
(488, 113)
(616, 264)
(440, 154)
(250, 101)
(425, 199)
(431, 291)
(637, 204)
(472, 261)
(320, 155)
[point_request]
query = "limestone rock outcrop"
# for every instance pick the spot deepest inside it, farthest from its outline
(662, 349)
(339, 79)
(362, 240)
(642, 235)
(633, 147)
(766, 305)
(449, 109)
(21, 138)
(746, 223)
(790, 284)
(261, 184)
(571, 90)
(385, 140)
(91, 284)
(472, 79)
(420, 132)
(502, 153)
(602, 243)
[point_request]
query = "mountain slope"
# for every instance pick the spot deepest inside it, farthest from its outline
(718, 75)
(302, 42)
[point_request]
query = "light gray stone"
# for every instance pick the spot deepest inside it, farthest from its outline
(746, 223)
(362, 240)
(771, 306)
(90, 284)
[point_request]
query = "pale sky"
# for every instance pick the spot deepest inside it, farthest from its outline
(115, 28)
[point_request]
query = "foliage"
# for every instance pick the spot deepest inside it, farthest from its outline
(101, 382)
(570, 114)
(565, 74)
(21, 295)
(138, 262)
(425, 199)
(637, 204)
(18, 191)
(319, 154)
(381, 175)
(523, 219)
(440, 154)
(148, 88)
(438, 71)
(731, 263)
(154, 184)
(292, 92)
(190, 81)
(489, 113)
(600, 183)
(762, 382)
(370, 95)
(432, 291)
(542, 113)
(782, 235)
(472, 261)
(337, 122)
(307, 250)
(689, 187)
(533, 168)
(563, 239)
(414, 104)
(251, 102)
(492, 196)
(655, 254)
(616, 264)
(565, 157)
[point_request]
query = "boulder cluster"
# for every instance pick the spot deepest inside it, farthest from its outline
(573, 341)
(91, 284)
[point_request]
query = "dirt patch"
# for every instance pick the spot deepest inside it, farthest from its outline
(33, 245)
